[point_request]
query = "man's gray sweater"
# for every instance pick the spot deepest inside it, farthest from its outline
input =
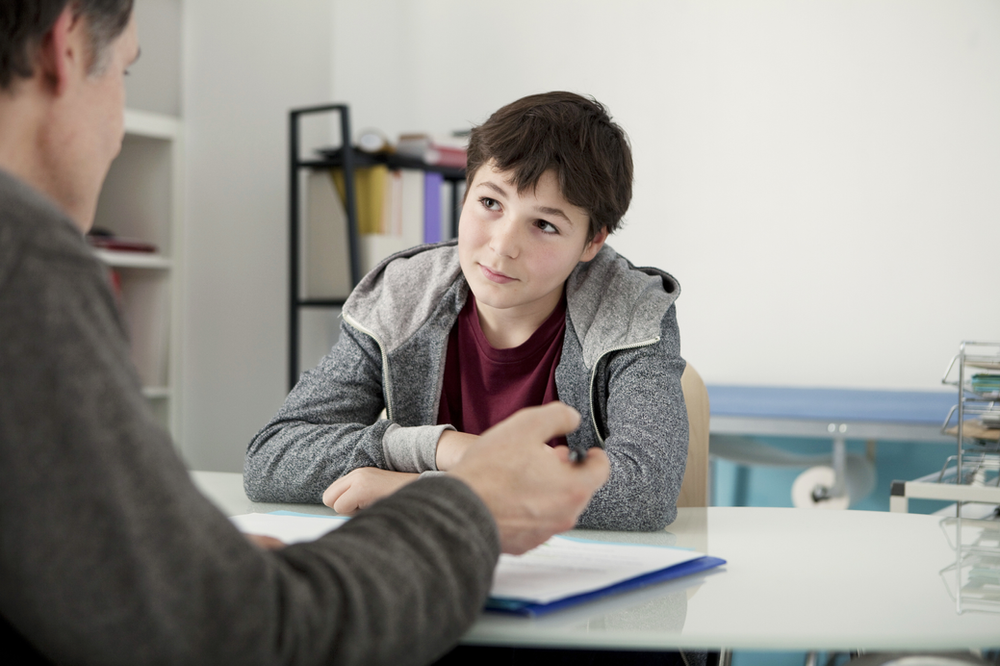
(110, 555)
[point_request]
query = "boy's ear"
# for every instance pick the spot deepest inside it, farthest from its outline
(594, 246)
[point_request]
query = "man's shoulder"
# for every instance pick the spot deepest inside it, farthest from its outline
(31, 226)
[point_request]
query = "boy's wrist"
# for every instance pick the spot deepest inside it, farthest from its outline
(451, 447)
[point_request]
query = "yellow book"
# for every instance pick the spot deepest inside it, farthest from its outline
(370, 185)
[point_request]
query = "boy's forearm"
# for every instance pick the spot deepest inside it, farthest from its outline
(296, 462)
(327, 426)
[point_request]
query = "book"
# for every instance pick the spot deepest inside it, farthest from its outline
(370, 183)
(106, 240)
(402, 223)
(411, 206)
(433, 191)
(392, 221)
(326, 260)
(434, 150)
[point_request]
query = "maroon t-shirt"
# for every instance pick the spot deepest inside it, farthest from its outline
(483, 385)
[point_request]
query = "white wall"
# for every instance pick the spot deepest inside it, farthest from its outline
(154, 81)
(821, 176)
(246, 63)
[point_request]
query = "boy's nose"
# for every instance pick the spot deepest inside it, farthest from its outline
(504, 240)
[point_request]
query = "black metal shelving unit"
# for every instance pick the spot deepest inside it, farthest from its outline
(349, 159)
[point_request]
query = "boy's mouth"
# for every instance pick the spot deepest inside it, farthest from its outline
(495, 276)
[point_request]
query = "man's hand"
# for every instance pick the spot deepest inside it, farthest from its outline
(362, 487)
(530, 488)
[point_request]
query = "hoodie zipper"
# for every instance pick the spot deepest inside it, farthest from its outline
(593, 379)
(386, 382)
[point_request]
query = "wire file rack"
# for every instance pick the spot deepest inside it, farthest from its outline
(972, 474)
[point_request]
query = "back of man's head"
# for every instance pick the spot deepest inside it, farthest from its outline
(570, 134)
(24, 23)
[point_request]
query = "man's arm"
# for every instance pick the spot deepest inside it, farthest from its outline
(110, 555)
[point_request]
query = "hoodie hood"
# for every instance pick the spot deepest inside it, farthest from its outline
(611, 303)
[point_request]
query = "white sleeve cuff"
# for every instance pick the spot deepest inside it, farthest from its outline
(412, 449)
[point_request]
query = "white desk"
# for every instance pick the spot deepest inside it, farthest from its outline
(796, 580)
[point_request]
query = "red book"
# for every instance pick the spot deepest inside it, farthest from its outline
(109, 242)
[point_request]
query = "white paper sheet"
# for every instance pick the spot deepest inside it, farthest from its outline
(559, 568)
(288, 527)
(563, 567)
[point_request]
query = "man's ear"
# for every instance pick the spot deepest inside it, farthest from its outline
(594, 246)
(61, 50)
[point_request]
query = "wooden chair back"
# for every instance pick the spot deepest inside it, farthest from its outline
(694, 489)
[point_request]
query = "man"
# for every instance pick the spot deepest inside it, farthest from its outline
(109, 554)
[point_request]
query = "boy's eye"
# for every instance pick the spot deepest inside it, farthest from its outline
(546, 227)
(490, 204)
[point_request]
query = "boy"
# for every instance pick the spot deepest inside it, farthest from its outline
(530, 306)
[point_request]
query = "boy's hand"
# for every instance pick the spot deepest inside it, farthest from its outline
(362, 487)
(530, 488)
(452, 445)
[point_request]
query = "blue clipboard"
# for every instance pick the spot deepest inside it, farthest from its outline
(531, 609)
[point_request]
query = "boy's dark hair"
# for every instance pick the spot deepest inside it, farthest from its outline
(570, 134)
(23, 24)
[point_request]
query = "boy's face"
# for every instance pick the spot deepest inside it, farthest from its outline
(516, 250)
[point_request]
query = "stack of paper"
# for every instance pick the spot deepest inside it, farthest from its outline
(564, 571)
(561, 572)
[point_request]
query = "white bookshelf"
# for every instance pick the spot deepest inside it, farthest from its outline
(141, 199)
(133, 259)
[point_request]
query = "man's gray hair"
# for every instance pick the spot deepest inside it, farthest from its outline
(23, 24)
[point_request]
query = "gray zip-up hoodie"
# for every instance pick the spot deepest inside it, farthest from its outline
(620, 368)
